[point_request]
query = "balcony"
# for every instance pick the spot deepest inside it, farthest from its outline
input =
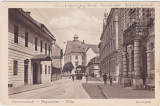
(135, 29)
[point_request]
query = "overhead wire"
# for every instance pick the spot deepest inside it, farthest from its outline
(49, 26)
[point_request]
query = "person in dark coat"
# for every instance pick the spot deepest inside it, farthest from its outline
(86, 78)
(73, 77)
(105, 78)
(110, 78)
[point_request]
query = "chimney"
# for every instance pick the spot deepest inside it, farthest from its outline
(28, 13)
(83, 42)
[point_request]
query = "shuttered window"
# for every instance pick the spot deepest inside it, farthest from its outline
(41, 46)
(15, 34)
(41, 68)
(45, 48)
(48, 69)
(26, 39)
(36, 43)
(15, 67)
(49, 49)
(45, 69)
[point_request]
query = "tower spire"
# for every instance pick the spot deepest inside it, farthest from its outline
(75, 38)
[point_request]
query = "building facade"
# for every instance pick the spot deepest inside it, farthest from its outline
(109, 44)
(75, 52)
(29, 49)
(133, 49)
(136, 46)
(57, 55)
(92, 51)
(92, 68)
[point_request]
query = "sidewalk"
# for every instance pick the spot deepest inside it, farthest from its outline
(116, 91)
(24, 88)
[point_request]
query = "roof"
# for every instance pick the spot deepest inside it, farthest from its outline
(95, 48)
(39, 25)
(76, 47)
(42, 57)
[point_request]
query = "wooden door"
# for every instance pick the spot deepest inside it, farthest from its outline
(26, 74)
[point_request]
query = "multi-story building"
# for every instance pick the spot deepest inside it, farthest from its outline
(134, 49)
(57, 55)
(93, 67)
(29, 49)
(92, 51)
(75, 52)
(136, 36)
(109, 44)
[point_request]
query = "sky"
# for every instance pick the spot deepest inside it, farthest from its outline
(65, 23)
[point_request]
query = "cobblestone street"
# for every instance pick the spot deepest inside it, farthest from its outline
(60, 89)
(79, 89)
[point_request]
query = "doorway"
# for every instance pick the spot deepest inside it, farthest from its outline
(26, 74)
(35, 73)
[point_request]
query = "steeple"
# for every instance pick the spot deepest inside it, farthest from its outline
(75, 38)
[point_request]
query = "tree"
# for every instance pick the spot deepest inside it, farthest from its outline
(68, 67)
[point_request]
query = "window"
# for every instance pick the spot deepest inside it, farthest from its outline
(41, 68)
(36, 43)
(48, 69)
(41, 46)
(76, 63)
(26, 39)
(49, 49)
(45, 69)
(15, 67)
(76, 57)
(45, 48)
(15, 34)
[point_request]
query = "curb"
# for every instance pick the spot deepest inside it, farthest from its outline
(28, 90)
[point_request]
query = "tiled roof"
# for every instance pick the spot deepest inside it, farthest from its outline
(41, 26)
(95, 48)
(76, 47)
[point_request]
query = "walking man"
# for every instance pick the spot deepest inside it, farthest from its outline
(73, 77)
(105, 78)
(110, 78)
(86, 78)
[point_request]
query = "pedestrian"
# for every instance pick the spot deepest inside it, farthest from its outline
(86, 78)
(105, 78)
(110, 78)
(73, 77)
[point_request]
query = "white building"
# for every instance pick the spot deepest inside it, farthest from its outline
(92, 51)
(29, 50)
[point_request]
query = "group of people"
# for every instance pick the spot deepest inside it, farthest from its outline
(85, 76)
(105, 77)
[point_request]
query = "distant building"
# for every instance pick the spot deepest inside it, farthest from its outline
(93, 67)
(79, 53)
(75, 52)
(57, 55)
(29, 49)
(109, 45)
(91, 52)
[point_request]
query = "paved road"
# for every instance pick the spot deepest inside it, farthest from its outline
(65, 90)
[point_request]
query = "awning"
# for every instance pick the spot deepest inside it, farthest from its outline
(41, 57)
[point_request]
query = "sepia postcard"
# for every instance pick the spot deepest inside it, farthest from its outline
(80, 53)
